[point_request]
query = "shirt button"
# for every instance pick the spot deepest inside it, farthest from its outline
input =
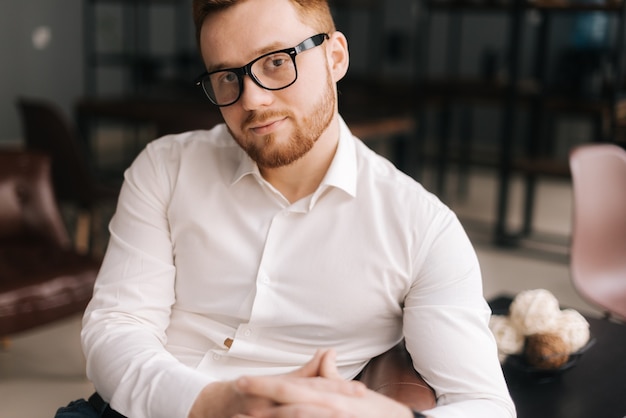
(216, 357)
(247, 333)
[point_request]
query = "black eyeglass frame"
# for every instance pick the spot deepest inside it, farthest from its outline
(309, 43)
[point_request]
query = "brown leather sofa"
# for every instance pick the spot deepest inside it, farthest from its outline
(42, 278)
(392, 374)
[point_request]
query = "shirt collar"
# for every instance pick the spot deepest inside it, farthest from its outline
(341, 174)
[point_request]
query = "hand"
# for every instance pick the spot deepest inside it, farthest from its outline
(322, 364)
(225, 399)
(327, 396)
(316, 399)
(222, 399)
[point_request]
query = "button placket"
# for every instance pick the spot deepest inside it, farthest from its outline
(264, 278)
(246, 333)
(262, 309)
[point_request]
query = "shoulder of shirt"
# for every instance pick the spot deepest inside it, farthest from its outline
(217, 137)
(211, 150)
(194, 147)
(388, 178)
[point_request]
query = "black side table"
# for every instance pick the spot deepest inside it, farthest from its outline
(594, 388)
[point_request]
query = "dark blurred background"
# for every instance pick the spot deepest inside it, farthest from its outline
(507, 85)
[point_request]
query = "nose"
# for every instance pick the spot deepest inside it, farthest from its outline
(254, 96)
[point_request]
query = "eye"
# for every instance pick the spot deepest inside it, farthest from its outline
(276, 62)
(225, 77)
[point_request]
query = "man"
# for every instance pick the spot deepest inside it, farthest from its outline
(254, 267)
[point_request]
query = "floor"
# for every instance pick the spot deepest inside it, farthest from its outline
(44, 368)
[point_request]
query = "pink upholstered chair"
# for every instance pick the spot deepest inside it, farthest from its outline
(598, 249)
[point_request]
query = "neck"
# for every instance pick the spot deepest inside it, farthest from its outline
(304, 176)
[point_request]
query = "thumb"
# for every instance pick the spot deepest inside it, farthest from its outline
(312, 367)
(328, 366)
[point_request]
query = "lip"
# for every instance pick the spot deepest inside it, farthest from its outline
(267, 127)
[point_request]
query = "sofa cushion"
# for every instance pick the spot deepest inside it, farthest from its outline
(41, 283)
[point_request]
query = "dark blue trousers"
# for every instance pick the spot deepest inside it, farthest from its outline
(95, 407)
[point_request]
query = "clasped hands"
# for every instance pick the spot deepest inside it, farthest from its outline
(316, 390)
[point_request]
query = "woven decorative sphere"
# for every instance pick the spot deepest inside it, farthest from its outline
(573, 328)
(546, 351)
(534, 311)
(508, 338)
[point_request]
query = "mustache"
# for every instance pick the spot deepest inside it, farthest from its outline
(259, 118)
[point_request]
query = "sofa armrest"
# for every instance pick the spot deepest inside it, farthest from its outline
(28, 208)
(392, 374)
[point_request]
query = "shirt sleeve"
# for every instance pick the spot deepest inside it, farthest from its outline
(446, 326)
(125, 323)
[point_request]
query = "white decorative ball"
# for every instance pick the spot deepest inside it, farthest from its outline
(508, 338)
(534, 311)
(573, 328)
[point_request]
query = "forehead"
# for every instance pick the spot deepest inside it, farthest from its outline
(238, 34)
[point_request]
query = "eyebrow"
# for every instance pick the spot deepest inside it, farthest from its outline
(275, 46)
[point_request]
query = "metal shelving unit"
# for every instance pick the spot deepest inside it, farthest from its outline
(516, 93)
(134, 57)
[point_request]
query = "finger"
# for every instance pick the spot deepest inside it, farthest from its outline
(328, 366)
(285, 389)
(303, 411)
(328, 369)
(312, 367)
(279, 389)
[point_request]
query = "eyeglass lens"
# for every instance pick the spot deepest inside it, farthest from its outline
(274, 71)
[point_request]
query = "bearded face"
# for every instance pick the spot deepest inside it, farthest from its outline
(286, 146)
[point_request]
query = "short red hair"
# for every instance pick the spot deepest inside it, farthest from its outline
(315, 13)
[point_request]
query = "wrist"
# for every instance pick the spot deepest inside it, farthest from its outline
(214, 401)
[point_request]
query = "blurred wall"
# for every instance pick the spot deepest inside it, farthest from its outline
(41, 46)
(41, 55)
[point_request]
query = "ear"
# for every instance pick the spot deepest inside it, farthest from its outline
(338, 56)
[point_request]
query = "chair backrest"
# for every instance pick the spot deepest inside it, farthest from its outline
(28, 209)
(598, 249)
(46, 129)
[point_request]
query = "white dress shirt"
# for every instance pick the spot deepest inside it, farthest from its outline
(202, 249)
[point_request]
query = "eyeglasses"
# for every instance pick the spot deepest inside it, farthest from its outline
(272, 71)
